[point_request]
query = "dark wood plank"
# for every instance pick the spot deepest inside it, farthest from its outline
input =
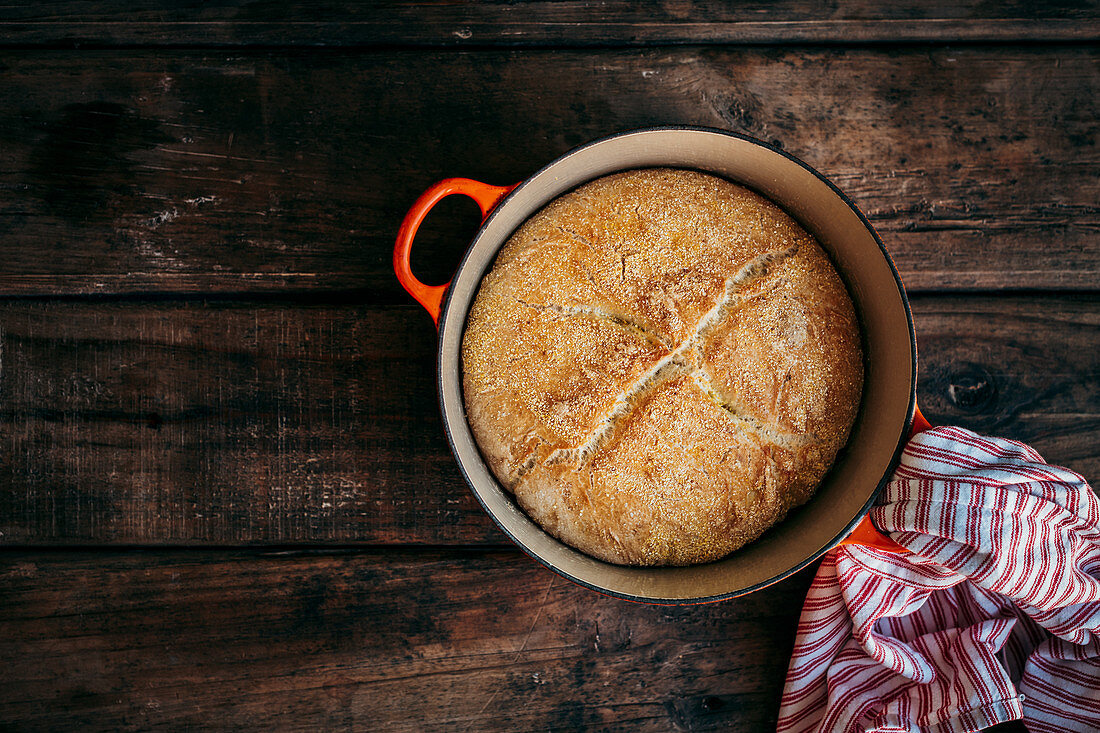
(542, 22)
(193, 172)
(226, 423)
(386, 640)
(1026, 369)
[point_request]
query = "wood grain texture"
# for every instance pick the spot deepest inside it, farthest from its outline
(199, 172)
(239, 423)
(236, 172)
(541, 22)
(386, 640)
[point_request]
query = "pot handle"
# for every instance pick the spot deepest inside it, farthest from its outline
(865, 533)
(486, 196)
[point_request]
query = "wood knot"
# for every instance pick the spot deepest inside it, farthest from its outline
(971, 389)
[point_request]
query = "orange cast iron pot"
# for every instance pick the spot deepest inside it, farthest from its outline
(888, 415)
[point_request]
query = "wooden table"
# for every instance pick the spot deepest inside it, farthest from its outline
(227, 500)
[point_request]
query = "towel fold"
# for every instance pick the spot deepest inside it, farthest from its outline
(994, 616)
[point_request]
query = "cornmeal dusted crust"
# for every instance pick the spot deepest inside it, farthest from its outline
(660, 365)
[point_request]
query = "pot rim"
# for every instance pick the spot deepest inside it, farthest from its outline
(888, 469)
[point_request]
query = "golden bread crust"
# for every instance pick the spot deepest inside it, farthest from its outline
(660, 365)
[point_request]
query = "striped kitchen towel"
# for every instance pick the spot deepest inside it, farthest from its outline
(994, 616)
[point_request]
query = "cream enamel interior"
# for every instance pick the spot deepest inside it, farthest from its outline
(888, 351)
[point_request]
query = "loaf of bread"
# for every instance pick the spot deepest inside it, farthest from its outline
(659, 365)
